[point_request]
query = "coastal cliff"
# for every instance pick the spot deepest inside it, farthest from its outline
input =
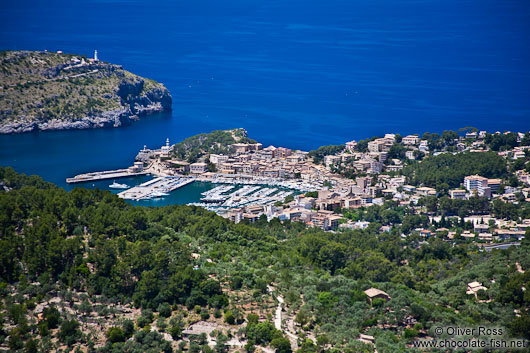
(55, 91)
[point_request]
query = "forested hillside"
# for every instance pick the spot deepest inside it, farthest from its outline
(84, 269)
(219, 141)
(448, 170)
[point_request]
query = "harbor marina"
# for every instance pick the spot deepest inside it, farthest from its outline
(224, 197)
(157, 187)
(220, 194)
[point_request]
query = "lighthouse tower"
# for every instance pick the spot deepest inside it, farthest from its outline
(96, 55)
(165, 149)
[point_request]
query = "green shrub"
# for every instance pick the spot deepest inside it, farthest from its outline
(205, 315)
(175, 332)
(69, 332)
(115, 334)
(230, 318)
(164, 310)
(128, 328)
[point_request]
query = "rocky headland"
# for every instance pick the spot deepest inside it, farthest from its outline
(56, 91)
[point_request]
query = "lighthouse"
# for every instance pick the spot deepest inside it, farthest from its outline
(96, 55)
(164, 150)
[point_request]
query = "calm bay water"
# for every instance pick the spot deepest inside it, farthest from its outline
(187, 194)
(294, 73)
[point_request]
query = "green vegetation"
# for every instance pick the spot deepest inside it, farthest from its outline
(90, 241)
(311, 194)
(217, 142)
(319, 154)
(448, 170)
(362, 145)
(261, 333)
(501, 142)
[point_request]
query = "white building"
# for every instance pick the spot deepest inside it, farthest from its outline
(478, 184)
(218, 158)
(350, 146)
(410, 140)
(329, 161)
(376, 167)
(424, 146)
(198, 168)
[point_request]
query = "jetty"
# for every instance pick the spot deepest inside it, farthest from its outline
(157, 187)
(223, 197)
(236, 179)
(217, 194)
(109, 174)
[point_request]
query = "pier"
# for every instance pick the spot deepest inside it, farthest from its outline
(219, 198)
(157, 187)
(217, 194)
(240, 179)
(109, 174)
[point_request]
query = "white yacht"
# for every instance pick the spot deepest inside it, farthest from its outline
(159, 194)
(116, 185)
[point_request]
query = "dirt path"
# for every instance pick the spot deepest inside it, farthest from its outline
(278, 321)
(278, 318)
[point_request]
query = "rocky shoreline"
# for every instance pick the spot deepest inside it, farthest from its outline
(157, 100)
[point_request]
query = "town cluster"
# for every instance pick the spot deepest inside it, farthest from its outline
(377, 179)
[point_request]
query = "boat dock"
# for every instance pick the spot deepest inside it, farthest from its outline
(219, 199)
(218, 190)
(226, 202)
(217, 194)
(289, 184)
(109, 174)
(156, 187)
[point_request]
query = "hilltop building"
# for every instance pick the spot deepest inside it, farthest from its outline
(477, 184)
(373, 293)
(410, 140)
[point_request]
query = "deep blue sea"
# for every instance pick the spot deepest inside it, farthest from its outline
(294, 73)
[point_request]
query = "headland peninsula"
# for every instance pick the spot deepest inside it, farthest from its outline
(42, 90)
